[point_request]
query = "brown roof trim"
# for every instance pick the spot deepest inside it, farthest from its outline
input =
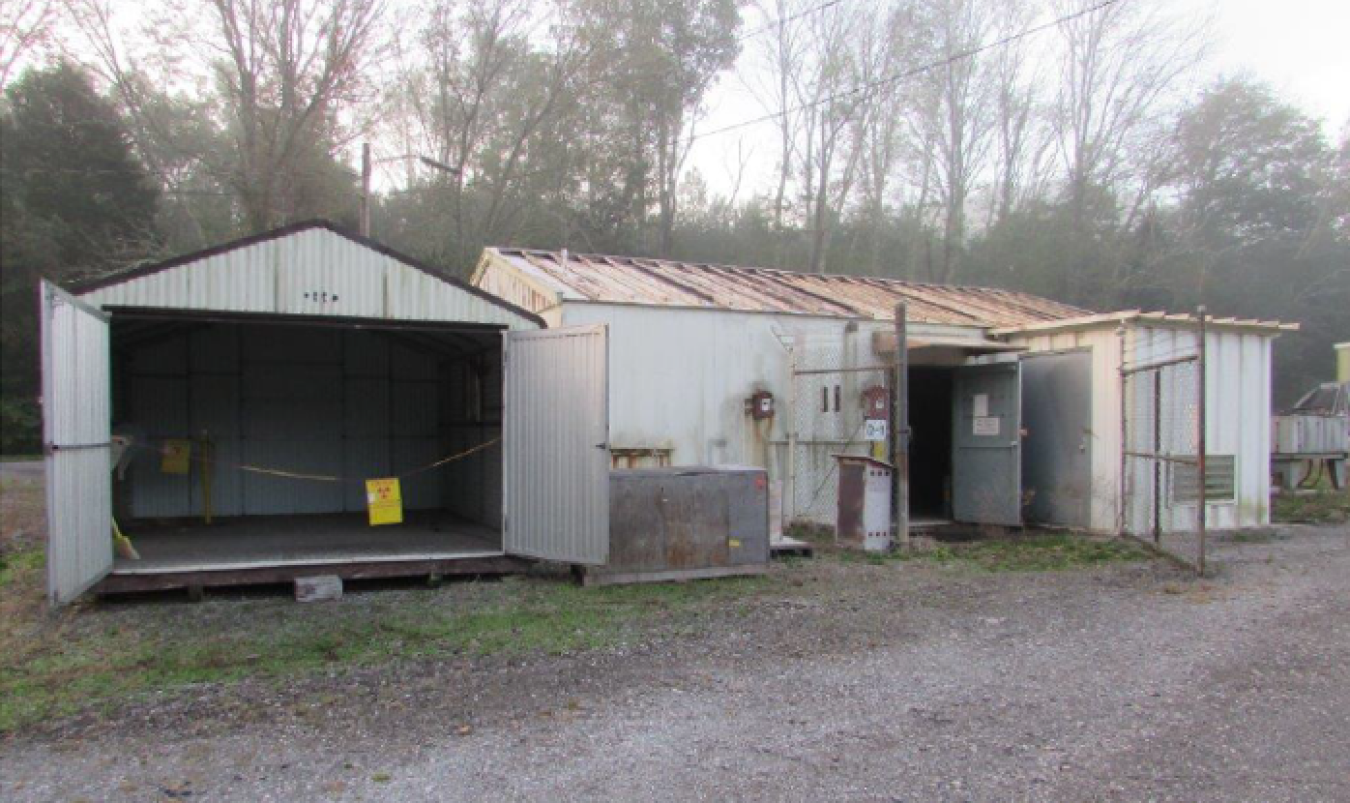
(141, 271)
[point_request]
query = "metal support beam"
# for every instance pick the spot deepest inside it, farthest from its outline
(900, 430)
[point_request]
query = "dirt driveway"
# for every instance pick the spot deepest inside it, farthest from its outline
(900, 681)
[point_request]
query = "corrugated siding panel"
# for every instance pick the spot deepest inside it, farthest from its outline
(159, 406)
(310, 272)
(305, 400)
(510, 287)
(1238, 393)
(556, 421)
(76, 398)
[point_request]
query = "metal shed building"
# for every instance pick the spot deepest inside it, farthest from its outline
(1015, 401)
(290, 367)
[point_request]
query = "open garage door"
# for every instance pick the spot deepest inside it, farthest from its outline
(987, 444)
(76, 441)
(556, 445)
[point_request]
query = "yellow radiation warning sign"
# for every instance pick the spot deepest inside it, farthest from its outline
(385, 502)
(175, 456)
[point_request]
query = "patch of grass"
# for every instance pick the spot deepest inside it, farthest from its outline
(1317, 507)
(91, 657)
(20, 567)
(99, 656)
(1047, 552)
(1039, 552)
(20, 458)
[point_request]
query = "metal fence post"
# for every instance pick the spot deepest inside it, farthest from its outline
(1123, 485)
(1202, 479)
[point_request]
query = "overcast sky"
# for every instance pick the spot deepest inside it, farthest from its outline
(1299, 47)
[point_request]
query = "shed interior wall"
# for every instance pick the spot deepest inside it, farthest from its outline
(330, 401)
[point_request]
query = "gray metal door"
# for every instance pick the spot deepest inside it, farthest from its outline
(1057, 450)
(986, 444)
(556, 445)
(76, 434)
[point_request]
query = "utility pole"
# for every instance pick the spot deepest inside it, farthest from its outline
(365, 189)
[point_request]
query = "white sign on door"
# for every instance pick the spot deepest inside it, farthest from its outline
(874, 430)
(985, 425)
(979, 405)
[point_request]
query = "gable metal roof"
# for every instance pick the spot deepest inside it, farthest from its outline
(309, 268)
(663, 282)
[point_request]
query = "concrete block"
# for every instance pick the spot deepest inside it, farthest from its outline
(318, 589)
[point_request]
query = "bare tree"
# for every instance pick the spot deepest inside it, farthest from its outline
(288, 70)
(837, 94)
(884, 140)
(480, 93)
(956, 112)
(1021, 140)
(784, 55)
(1120, 64)
(287, 81)
(25, 26)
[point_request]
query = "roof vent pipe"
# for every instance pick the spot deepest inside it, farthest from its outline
(564, 259)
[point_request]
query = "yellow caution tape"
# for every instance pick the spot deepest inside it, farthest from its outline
(293, 475)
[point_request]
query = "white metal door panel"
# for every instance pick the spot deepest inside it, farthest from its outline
(75, 434)
(556, 444)
(987, 444)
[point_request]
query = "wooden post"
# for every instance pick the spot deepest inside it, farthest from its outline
(900, 427)
(1200, 450)
(365, 189)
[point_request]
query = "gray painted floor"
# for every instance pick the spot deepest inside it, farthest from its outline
(254, 541)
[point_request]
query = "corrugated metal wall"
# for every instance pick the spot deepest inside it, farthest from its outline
(682, 377)
(1238, 396)
(472, 415)
(313, 272)
(556, 426)
(326, 401)
(76, 434)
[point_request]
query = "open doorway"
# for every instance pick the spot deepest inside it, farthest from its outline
(930, 460)
(283, 422)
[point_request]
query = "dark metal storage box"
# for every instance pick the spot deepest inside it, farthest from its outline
(685, 523)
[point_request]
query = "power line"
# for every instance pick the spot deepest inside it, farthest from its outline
(900, 76)
(753, 32)
(855, 90)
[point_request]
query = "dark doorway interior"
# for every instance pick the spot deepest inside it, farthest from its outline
(930, 455)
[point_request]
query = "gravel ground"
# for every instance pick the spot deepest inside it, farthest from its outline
(897, 682)
(22, 469)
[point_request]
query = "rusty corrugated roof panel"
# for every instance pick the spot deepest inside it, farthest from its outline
(638, 280)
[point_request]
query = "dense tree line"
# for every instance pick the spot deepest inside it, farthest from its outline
(1057, 146)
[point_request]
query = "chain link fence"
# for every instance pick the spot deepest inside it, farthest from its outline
(1163, 417)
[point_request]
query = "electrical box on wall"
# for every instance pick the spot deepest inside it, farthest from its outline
(760, 405)
(876, 404)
